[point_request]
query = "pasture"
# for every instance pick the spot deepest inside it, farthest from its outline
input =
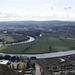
(41, 45)
(12, 38)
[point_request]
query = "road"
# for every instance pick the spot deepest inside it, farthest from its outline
(37, 69)
(37, 72)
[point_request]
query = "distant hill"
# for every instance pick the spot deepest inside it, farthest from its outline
(43, 23)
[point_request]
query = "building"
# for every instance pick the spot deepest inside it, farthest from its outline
(4, 62)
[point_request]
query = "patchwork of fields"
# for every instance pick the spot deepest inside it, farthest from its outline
(40, 45)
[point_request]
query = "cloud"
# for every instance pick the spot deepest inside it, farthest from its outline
(67, 8)
(49, 6)
(52, 8)
(45, 12)
(0, 12)
(10, 16)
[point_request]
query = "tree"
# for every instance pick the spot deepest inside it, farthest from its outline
(18, 59)
(1, 57)
(33, 66)
(7, 57)
(50, 49)
(17, 66)
(13, 59)
(21, 58)
(12, 66)
(27, 65)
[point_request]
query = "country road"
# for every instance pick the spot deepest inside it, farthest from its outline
(37, 69)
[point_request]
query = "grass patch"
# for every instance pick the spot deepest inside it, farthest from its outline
(41, 45)
(22, 64)
(12, 37)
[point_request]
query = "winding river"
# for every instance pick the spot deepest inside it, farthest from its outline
(39, 56)
(45, 55)
(29, 40)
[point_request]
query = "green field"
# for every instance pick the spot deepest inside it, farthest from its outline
(12, 38)
(41, 45)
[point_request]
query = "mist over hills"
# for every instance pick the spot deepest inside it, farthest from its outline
(41, 23)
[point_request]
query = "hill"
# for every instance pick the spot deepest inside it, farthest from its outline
(43, 23)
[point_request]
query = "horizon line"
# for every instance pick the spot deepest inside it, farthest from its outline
(38, 20)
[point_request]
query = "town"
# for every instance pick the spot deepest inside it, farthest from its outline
(33, 38)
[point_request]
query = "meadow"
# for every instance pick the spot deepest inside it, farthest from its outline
(41, 45)
(12, 38)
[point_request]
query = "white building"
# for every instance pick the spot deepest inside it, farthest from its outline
(62, 60)
(4, 62)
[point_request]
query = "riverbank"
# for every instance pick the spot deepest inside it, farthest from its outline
(44, 47)
(29, 40)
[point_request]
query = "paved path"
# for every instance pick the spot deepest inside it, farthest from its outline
(37, 69)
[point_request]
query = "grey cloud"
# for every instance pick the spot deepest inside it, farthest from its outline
(52, 8)
(0, 12)
(53, 16)
(28, 8)
(10, 16)
(67, 8)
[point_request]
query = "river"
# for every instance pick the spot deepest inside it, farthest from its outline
(39, 56)
(45, 55)
(29, 40)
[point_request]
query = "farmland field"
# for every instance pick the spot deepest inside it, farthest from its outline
(12, 38)
(42, 45)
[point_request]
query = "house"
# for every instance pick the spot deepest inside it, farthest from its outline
(61, 60)
(4, 62)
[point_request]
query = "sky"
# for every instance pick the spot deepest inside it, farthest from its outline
(40, 10)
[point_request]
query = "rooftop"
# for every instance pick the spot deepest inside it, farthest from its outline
(4, 61)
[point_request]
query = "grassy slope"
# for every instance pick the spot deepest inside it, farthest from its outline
(41, 45)
(14, 49)
(61, 45)
(60, 35)
(12, 38)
